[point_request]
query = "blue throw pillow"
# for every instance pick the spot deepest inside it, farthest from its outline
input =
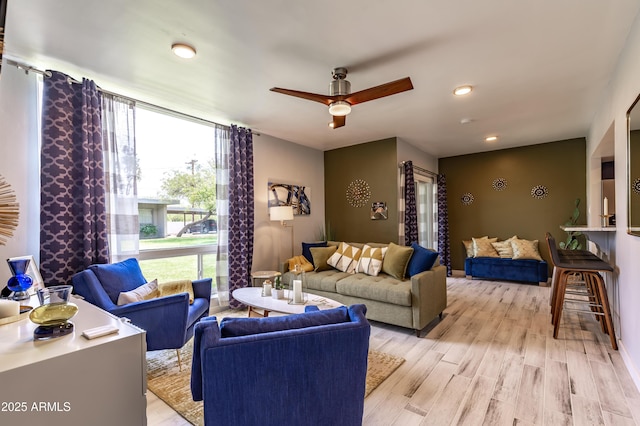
(234, 327)
(119, 277)
(306, 252)
(421, 260)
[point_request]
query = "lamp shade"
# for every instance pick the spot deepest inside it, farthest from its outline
(281, 213)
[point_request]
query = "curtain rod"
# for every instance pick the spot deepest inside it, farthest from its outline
(420, 170)
(28, 68)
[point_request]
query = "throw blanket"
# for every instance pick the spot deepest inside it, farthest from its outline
(175, 287)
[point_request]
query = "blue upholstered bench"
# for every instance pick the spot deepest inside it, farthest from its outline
(497, 268)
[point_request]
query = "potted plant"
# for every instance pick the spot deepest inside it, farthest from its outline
(278, 289)
(573, 241)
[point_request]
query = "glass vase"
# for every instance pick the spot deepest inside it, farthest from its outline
(20, 282)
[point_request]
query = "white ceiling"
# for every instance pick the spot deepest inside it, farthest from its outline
(539, 67)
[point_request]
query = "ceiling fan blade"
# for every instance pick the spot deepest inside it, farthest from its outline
(381, 91)
(323, 99)
(338, 121)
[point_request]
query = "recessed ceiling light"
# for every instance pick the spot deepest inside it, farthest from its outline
(462, 90)
(183, 50)
(491, 139)
(466, 120)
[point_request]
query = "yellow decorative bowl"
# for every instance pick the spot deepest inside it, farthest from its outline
(53, 314)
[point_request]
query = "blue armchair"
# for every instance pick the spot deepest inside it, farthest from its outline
(304, 369)
(169, 321)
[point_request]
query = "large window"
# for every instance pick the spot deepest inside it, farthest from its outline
(176, 196)
(427, 211)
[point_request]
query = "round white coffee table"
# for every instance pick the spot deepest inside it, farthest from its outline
(252, 297)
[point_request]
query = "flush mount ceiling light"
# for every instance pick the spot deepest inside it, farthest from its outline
(491, 139)
(462, 90)
(183, 50)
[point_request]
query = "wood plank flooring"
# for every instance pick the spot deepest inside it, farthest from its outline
(492, 360)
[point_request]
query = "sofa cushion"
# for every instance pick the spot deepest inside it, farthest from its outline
(306, 249)
(421, 260)
(232, 327)
(345, 258)
(371, 259)
(323, 281)
(170, 288)
(320, 256)
(382, 288)
(482, 247)
(119, 277)
(396, 260)
(525, 249)
(144, 292)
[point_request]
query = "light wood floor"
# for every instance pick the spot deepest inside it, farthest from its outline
(492, 360)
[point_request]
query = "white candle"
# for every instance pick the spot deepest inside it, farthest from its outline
(605, 209)
(9, 308)
(297, 291)
(266, 290)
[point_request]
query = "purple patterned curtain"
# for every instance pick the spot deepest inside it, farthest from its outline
(410, 209)
(444, 245)
(73, 221)
(240, 210)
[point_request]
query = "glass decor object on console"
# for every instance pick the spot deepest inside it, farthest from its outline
(20, 282)
(633, 170)
(54, 312)
(297, 290)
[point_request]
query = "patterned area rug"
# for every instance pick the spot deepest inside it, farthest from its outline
(171, 385)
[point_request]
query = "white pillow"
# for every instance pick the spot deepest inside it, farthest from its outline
(371, 260)
(144, 292)
(345, 258)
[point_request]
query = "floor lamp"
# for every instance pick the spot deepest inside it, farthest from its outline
(283, 213)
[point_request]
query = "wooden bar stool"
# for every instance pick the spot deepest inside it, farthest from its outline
(579, 274)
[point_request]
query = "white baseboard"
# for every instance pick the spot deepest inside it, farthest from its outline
(628, 362)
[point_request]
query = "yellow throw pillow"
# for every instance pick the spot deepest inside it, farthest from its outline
(482, 247)
(525, 249)
(320, 256)
(371, 260)
(175, 287)
(302, 261)
(345, 258)
(504, 247)
(396, 260)
(468, 247)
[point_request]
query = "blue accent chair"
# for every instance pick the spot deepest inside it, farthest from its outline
(169, 321)
(304, 369)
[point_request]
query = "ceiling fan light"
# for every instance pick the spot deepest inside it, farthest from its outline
(183, 50)
(462, 90)
(339, 108)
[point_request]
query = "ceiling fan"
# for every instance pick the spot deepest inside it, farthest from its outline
(340, 99)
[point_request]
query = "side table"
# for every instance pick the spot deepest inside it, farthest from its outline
(258, 277)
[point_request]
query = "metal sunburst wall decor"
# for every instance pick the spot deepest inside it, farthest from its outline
(636, 186)
(467, 198)
(539, 192)
(499, 184)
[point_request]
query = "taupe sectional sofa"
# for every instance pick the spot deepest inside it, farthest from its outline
(411, 303)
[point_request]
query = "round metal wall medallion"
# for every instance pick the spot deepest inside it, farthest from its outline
(358, 193)
(539, 192)
(499, 184)
(467, 198)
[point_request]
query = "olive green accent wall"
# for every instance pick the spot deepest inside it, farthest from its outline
(559, 166)
(377, 164)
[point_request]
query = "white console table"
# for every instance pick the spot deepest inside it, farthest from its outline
(71, 380)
